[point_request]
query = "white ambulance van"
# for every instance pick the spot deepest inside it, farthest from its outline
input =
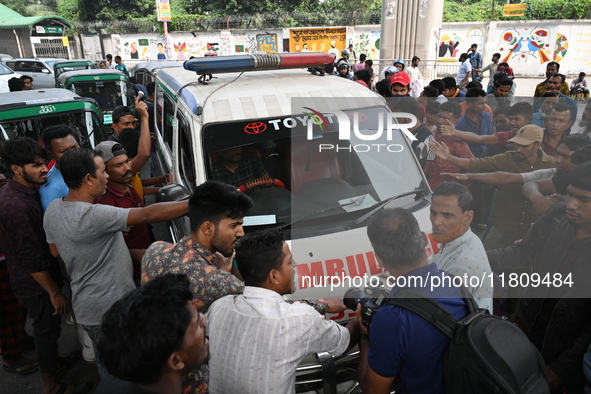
(321, 188)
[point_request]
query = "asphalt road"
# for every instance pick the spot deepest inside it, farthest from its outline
(68, 342)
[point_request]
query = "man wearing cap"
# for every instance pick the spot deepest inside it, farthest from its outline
(89, 238)
(123, 118)
(399, 84)
(513, 215)
(121, 194)
(399, 87)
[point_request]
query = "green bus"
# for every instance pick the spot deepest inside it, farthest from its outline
(29, 112)
(109, 88)
(62, 66)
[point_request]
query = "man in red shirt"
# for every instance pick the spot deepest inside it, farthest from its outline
(447, 118)
(121, 194)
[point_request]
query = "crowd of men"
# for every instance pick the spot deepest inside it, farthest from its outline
(207, 314)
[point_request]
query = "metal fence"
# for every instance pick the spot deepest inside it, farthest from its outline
(429, 68)
(51, 47)
(258, 21)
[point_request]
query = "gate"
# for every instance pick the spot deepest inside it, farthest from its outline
(51, 47)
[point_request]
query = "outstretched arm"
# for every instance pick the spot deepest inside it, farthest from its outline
(492, 178)
(442, 151)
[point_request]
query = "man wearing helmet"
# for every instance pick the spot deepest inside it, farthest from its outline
(343, 69)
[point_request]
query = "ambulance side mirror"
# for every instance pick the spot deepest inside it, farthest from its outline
(172, 193)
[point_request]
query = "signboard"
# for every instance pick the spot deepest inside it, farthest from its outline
(325, 39)
(267, 43)
(163, 9)
(49, 29)
(514, 9)
(65, 41)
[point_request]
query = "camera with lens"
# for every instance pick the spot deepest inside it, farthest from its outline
(371, 300)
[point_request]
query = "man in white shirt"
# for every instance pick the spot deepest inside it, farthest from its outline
(462, 253)
(257, 339)
(413, 71)
(464, 71)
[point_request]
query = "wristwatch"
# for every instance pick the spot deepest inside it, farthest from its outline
(365, 337)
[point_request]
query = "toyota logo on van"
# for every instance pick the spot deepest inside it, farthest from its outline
(255, 128)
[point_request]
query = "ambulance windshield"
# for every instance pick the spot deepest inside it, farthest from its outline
(312, 176)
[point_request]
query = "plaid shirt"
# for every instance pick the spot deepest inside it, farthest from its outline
(250, 167)
(208, 284)
(23, 239)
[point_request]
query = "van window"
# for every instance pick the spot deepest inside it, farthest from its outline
(167, 120)
(186, 162)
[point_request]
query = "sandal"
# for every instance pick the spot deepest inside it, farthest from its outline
(66, 363)
(24, 361)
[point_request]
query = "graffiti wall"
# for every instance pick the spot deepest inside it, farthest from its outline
(366, 39)
(527, 45)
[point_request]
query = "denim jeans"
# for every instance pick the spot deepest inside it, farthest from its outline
(46, 328)
(93, 332)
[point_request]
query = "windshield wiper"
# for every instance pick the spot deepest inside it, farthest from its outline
(356, 202)
(363, 218)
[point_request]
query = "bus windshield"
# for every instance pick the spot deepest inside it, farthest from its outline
(107, 94)
(85, 123)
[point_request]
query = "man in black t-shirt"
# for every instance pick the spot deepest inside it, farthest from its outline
(424, 136)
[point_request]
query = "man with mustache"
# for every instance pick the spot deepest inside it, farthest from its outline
(462, 252)
(512, 215)
(121, 194)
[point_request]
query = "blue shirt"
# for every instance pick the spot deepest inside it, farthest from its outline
(484, 127)
(538, 120)
(54, 188)
(404, 345)
(476, 60)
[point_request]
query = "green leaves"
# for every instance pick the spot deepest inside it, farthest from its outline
(481, 10)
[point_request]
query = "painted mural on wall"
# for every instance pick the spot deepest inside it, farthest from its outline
(452, 44)
(326, 39)
(367, 42)
(526, 45)
(243, 43)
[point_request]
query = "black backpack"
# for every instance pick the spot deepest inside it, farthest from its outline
(486, 353)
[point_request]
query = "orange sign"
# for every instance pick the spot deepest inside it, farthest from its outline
(326, 39)
(514, 9)
(163, 9)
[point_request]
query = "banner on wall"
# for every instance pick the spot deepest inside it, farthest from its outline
(116, 42)
(514, 9)
(163, 9)
(327, 40)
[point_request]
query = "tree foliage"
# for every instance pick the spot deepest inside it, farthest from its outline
(482, 10)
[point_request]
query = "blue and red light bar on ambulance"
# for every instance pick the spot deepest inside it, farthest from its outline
(256, 62)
